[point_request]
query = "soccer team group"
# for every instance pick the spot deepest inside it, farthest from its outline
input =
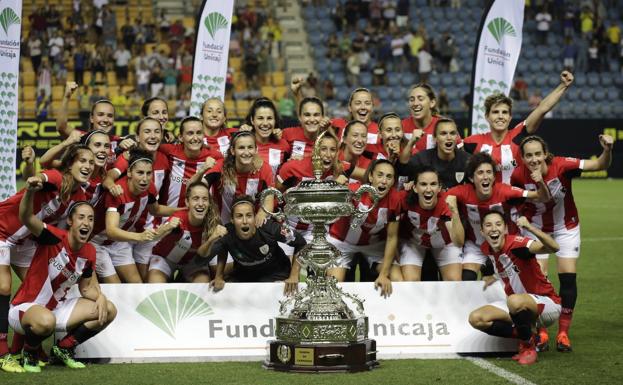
(152, 207)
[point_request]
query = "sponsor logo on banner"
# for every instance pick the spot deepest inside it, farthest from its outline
(499, 27)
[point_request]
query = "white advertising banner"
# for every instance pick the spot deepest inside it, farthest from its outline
(211, 52)
(497, 53)
(189, 322)
(10, 31)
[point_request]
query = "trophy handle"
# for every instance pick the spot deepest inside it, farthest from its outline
(272, 191)
(358, 214)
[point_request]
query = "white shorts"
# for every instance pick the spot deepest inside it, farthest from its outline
(549, 311)
(21, 255)
(412, 254)
(5, 253)
(568, 240)
(373, 253)
(142, 252)
(62, 313)
(473, 254)
(109, 256)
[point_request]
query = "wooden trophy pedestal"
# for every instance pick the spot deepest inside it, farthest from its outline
(322, 357)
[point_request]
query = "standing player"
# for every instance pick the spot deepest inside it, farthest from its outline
(255, 249)
(419, 127)
(353, 145)
(502, 143)
(558, 217)
(301, 139)
(197, 229)
(530, 296)
(481, 195)
(430, 223)
(377, 237)
(215, 132)
(63, 259)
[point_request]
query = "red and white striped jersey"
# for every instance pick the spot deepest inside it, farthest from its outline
(54, 269)
(173, 192)
(560, 212)
(374, 228)
(248, 183)
(373, 129)
(362, 162)
(221, 140)
(274, 153)
(428, 138)
(518, 268)
(181, 245)
(426, 228)
(132, 211)
(47, 206)
(473, 209)
(506, 154)
(298, 142)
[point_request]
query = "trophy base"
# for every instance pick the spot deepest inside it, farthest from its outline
(322, 357)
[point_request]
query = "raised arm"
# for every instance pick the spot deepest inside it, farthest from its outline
(26, 215)
(61, 114)
(536, 116)
(205, 248)
(50, 159)
(542, 193)
(605, 159)
(455, 227)
(545, 244)
(28, 156)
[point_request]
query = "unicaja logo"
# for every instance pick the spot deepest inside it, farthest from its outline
(214, 22)
(8, 17)
(500, 27)
(167, 308)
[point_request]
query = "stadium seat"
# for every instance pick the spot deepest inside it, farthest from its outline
(600, 94)
(278, 78)
(365, 78)
(593, 79)
(28, 78)
(614, 95)
(586, 94)
(407, 79)
(580, 79)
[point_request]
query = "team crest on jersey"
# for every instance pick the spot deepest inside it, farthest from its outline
(459, 176)
(264, 249)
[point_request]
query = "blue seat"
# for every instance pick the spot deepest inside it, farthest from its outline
(365, 78)
(339, 79)
(573, 94)
(384, 93)
(600, 94)
(447, 80)
(337, 66)
(548, 66)
(593, 79)
(586, 94)
(605, 110)
(614, 95)
(606, 79)
(592, 110)
(580, 79)
(394, 80)
(407, 79)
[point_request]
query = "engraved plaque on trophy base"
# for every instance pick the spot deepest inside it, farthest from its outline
(322, 357)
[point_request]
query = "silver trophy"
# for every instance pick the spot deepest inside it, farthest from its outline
(316, 329)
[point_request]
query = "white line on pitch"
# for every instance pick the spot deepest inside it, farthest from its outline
(602, 239)
(505, 374)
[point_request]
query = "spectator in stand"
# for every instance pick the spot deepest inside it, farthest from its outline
(569, 52)
(38, 22)
(586, 22)
(170, 81)
(520, 88)
(535, 99)
(568, 22)
(44, 77)
(425, 64)
(109, 27)
(614, 39)
(251, 69)
(128, 32)
(328, 90)
(333, 46)
(42, 106)
(56, 45)
(398, 52)
(379, 74)
(353, 68)
(337, 15)
(80, 63)
(122, 58)
(96, 63)
(186, 73)
(402, 14)
(456, 4)
(417, 41)
(142, 80)
(543, 20)
(35, 47)
(156, 81)
(389, 13)
(446, 49)
(351, 13)
(443, 104)
(593, 57)
(376, 13)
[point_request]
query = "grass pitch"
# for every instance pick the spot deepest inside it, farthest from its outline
(595, 333)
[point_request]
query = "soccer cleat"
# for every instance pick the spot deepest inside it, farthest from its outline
(562, 343)
(528, 354)
(66, 356)
(520, 352)
(31, 363)
(542, 340)
(10, 364)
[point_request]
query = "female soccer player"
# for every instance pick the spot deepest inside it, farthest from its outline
(353, 147)
(391, 138)
(419, 127)
(63, 259)
(243, 172)
(60, 189)
(199, 227)
(481, 195)
(264, 120)
(502, 143)
(377, 237)
(558, 217)
(295, 171)
(214, 119)
(530, 296)
(430, 221)
(257, 254)
(124, 223)
(157, 108)
(301, 139)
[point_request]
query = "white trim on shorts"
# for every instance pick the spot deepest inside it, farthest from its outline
(142, 251)
(5, 253)
(62, 312)
(473, 254)
(413, 254)
(21, 255)
(549, 310)
(569, 241)
(373, 253)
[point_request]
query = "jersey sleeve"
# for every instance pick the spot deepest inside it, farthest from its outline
(518, 132)
(569, 164)
(285, 175)
(121, 164)
(53, 177)
(459, 192)
(50, 235)
(111, 203)
(512, 192)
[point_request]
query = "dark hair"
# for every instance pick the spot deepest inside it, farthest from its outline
(388, 115)
(102, 101)
(412, 196)
(373, 166)
(229, 174)
(137, 155)
(428, 89)
(212, 218)
(443, 120)
(188, 119)
(242, 199)
(348, 127)
(476, 160)
(262, 102)
(536, 138)
(147, 103)
(72, 207)
(491, 212)
(86, 138)
(496, 99)
(147, 119)
(69, 157)
(313, 100)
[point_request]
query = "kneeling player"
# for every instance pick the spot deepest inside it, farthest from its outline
(255, 250)
(530, 296)
(40, 307)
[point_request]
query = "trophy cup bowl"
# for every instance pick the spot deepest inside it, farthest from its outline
(317, 331)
